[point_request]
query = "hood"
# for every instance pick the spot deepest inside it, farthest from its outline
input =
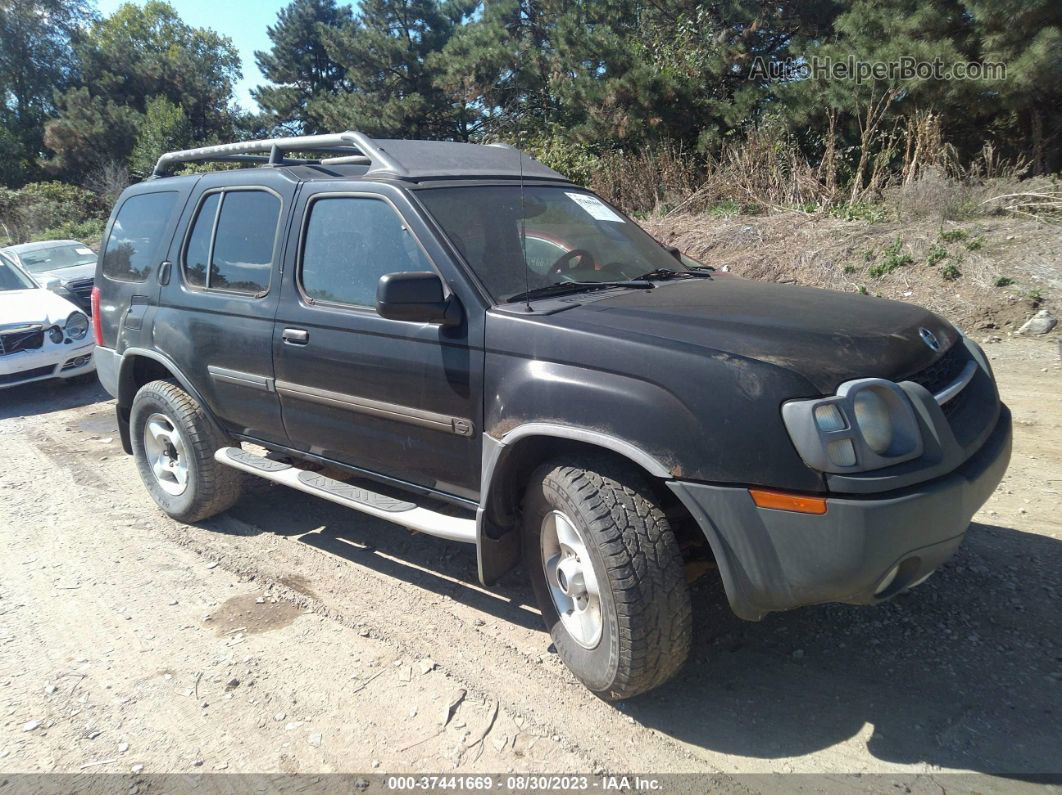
(827, 337)
(72, 274)
(18, 307)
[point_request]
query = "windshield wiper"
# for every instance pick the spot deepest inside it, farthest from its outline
(667, 273)
(565, 288)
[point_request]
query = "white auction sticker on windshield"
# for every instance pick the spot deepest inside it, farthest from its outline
(83, 250)
(593, 205)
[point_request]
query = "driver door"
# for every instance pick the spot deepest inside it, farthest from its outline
(398, 399)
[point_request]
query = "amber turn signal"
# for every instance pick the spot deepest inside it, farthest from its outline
(780, 501)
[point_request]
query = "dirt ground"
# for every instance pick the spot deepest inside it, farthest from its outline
(990, 274)
(293, 635)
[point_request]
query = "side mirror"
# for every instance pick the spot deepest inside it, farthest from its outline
(416, 298)
(51, 283)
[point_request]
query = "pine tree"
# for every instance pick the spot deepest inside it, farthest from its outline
(298, 64)
(1026, 35)
(390, 54)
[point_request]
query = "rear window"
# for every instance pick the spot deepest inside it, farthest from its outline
(232, 240)
(133, 247)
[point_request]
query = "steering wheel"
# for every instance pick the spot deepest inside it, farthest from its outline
(570, 260)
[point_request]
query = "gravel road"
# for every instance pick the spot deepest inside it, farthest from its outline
(291, 635)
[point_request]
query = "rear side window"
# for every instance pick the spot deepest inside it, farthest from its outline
(133, 247)
(350, 243)
(232, 241)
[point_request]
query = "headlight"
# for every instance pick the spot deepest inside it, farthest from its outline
(869, 424)
(77, 325)
(872, 417)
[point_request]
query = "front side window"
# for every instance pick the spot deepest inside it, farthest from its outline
(11, 278)
(350, 243)
(541, 236)
(232, 241)
(134, 245)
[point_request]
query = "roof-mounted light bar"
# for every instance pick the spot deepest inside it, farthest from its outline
(347, 147)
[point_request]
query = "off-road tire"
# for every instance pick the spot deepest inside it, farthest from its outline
(212, 487)
(644, 596)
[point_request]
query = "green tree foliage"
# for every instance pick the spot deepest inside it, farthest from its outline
(390, 53)
(35, 59)
(298, 64)
(88, 132)
(124, 61)
(164, 128)
(1027, 36)
(578, 81)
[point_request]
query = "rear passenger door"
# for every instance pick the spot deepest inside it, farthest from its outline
(137, 240)
(216, 314)
(396, 398)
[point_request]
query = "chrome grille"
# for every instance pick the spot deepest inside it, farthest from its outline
(944, 370)
(943, 373)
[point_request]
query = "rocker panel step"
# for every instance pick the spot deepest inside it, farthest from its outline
(256, 461)
(407, 514)
(341, 489)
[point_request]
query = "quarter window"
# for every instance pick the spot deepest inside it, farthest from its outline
(136, 237)
(350, 243)
(232, 241)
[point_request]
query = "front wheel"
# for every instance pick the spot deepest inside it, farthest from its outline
(607, 572)
(174, 442)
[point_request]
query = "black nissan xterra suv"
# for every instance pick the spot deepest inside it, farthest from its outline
(459, 340)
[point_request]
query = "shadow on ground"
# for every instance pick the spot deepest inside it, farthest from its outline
(46, 397)
(961, 673)
(442, 567)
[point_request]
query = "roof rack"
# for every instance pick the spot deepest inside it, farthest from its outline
(346, 148)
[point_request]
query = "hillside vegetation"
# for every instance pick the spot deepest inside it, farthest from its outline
(692, 116)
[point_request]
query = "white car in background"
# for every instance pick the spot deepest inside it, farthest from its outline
(70, 262)
(42, 335)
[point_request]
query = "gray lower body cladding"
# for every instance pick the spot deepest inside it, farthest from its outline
(774, 560)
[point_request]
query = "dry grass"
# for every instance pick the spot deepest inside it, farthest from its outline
(907, 170)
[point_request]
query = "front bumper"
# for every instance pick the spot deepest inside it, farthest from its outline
(48, 361)
(773, 560)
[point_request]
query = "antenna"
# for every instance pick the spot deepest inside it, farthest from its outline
(523, 223)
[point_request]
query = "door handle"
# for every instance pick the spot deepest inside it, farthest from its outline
(296, 336)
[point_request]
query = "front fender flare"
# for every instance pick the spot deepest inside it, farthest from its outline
(497, 553)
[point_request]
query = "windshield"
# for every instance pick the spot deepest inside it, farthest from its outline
(55, 258)
(569, 236)
(11, 278)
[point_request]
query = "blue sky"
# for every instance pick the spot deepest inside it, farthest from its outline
(243, 21)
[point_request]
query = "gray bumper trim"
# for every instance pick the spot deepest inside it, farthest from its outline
(108, 366)
(776, 560)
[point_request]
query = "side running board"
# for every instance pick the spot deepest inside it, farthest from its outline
(407, 514)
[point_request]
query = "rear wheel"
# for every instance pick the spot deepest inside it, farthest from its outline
(174, 443)
(608, 575)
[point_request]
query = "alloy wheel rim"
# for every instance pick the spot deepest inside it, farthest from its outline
(571, 579)
(166, 454)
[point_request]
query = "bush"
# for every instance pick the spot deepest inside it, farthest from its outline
(89, 232)
(937, 253)
(43, 207)
(950, 272)
(571, 159)
(894, 258)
